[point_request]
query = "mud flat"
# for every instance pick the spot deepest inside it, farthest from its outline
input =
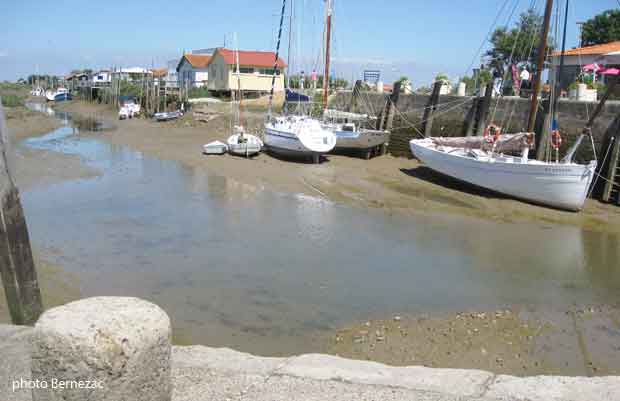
(38, 167)
(580, 341)
(393, 184)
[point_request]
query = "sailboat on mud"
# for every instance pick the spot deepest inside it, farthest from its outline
(241, 143)
(349, 128)
(481, 161)
(295, 135)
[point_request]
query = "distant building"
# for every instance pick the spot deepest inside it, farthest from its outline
(256, 71)
(172, 79)
(77, 81)
(101, 78)
(607, 55)
(130, 74)
(193, 70)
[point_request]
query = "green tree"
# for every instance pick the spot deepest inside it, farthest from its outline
(602, 28)
(517, 45)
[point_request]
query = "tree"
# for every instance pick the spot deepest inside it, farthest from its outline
(602, 28)
(518, 45)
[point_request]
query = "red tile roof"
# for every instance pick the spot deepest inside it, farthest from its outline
(592, 50)
(198, 60)
(253, 58)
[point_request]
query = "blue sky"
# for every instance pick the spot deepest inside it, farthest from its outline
(400, 37)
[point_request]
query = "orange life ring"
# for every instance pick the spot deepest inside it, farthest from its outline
(492, 133)
(529, 138)
(556, 139)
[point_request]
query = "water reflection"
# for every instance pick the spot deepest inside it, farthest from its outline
(238, 265)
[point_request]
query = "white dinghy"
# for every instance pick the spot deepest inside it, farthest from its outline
(240, 143)
(214, 148)
(562, 185)
(243, 144)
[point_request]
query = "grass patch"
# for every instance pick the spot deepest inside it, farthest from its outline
(12, 101)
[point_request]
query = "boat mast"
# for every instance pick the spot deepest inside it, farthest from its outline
(239, 95)
(328, 32)
(275, 63)
(290, 34)
(542, 51)
(560, 69)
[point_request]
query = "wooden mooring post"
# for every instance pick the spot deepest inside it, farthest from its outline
(611, 189)
(17, 269)
(430, 109)
(483, 109)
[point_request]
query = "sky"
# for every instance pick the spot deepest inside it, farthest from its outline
(415, 38)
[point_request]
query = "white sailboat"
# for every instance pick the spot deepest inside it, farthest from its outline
(350, 133)
(241, 143)
(347, 127)
(299, 136)
(561, 185)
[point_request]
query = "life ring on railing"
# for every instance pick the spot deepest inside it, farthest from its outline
(556, 139)
(491, 133)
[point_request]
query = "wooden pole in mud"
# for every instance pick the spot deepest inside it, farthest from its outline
(17, 268)
(483, 109)
(430, 109)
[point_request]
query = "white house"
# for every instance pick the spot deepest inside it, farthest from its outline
(256, 71)
(130, 74)
(193, 70)
(102, 78)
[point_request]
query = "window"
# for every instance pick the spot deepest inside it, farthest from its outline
(246, 70)
(269, 71)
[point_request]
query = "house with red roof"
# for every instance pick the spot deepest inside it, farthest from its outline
(256, 71)
(193, 70)
(606, 55)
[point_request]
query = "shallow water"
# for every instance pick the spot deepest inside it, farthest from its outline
(242, 266)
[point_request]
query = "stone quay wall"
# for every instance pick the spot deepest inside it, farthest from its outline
(509, 112)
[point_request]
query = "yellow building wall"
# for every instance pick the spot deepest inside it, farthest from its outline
(222, 77)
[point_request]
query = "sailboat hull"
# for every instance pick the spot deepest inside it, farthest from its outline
(559, 185)
(361, 140)
(298, 136)
(250, 146)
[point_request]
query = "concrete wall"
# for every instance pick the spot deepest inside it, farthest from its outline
(510, 112)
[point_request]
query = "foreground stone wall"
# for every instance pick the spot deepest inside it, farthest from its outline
(509, 112)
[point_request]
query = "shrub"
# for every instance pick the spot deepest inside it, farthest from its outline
(12, 101)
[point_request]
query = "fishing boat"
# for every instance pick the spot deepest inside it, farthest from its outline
(486, 161)
(561, 185)
(129, 108)
(295, 135)
(59, 94)
(241, 143)
(168, 115)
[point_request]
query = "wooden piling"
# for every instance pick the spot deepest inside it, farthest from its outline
(612, 183)
(17, 268)
(430, 109)
(483, 109)
(470, 119)
(390, 107)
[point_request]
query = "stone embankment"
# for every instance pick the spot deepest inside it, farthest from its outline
(123, 345)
